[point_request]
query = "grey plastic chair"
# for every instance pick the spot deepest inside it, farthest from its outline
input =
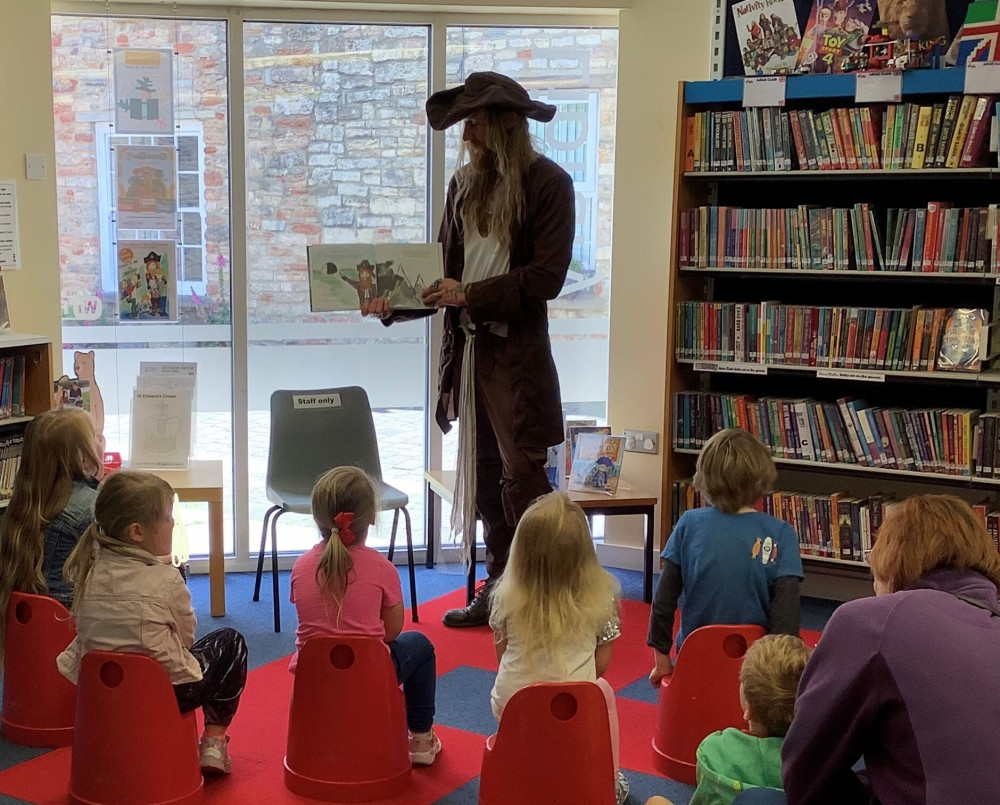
(335, 431)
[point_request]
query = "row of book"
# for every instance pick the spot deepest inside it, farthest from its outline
(950, 134)
(888, 339)
(847, 431)
(12, 386)
(937, 238)
(10, 461)
(833, 526)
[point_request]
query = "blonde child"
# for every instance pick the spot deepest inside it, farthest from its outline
(727, 563)
(341, 586)
(51, 506)
(732, 760)
(554, 612)
(125, 599)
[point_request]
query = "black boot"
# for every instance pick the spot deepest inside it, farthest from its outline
(476, 613)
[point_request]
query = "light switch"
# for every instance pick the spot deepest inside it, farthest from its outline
(34, 166)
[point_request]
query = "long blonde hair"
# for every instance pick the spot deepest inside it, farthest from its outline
(491, 195)
(124, 498)
(60, 448)
(341, 490)
(553, 593)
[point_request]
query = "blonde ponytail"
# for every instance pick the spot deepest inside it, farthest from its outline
(340, 492)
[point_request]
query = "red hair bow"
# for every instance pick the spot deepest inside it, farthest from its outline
(343, 522)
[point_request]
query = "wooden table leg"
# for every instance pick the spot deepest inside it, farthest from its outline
(647, 570)
(216, 560)
(430, 501)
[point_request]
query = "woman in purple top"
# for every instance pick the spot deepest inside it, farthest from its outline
(908, 680)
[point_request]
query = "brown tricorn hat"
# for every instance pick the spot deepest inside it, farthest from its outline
(479, 91)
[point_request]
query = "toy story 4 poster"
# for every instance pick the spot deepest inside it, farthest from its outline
(769, 35)
(147, 286)
(836, 30)
(144, 91)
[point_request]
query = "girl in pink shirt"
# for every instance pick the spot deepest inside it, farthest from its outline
(341, 586)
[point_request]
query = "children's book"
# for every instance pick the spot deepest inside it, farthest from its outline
(597, 463)
(574, 428)
(963, 340)
(342, 277)
(769, 35)
(71, 392)
(835, 31)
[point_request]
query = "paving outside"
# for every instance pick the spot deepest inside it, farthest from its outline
(401, 450)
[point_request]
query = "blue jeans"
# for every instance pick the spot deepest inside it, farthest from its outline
(416, 670)
(761, 796)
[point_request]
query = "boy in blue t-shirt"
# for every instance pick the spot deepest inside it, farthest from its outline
(727, 562)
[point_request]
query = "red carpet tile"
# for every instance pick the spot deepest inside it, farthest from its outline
(259, 731)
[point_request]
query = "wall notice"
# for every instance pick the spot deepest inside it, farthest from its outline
(10, 240)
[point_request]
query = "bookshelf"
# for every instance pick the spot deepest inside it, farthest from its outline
(958, 397)
(31, 356)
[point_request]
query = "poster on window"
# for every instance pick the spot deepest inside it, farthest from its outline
(144, 91)
(147, 186)
(147, 280)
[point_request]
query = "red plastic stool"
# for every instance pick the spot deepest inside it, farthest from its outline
(553, 745)
(347, 739)
(701, 696)
(39, 703)
(131, 745)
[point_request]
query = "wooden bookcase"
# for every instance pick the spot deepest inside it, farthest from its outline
(970, 187)
(37, 353)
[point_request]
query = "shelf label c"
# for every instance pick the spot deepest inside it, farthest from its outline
(735, 368)
(768, 90)
(878, 86)
(850, 374)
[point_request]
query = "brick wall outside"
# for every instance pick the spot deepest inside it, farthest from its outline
(336, 140)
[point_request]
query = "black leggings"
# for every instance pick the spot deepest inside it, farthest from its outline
(222, 655)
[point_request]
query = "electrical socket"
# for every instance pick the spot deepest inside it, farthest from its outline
(642, 441)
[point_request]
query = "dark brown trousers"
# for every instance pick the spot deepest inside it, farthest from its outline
(509, 475)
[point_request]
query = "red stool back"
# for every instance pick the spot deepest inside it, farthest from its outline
(701, 696)
(347, 739)
(39, 703)
(553, 745)
(131, 745)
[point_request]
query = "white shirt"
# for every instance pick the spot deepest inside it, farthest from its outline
(485, 258)
(518, 669)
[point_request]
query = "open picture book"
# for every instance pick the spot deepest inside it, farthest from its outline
(342, 277)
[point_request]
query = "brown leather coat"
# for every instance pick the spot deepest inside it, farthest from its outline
(541, 250)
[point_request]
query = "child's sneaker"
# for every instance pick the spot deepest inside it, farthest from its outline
(214, 755)
(424, 747)
(621, 789)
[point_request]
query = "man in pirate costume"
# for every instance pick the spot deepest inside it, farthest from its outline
(507, 236)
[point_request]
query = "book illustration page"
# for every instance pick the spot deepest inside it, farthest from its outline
(404, 270)
(147, 286)
(597, 462)
(341, 277)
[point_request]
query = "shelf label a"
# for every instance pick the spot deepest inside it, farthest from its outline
(878, 86)
(982, 78)
(735, 368)
(767, 90)
(850, 374)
